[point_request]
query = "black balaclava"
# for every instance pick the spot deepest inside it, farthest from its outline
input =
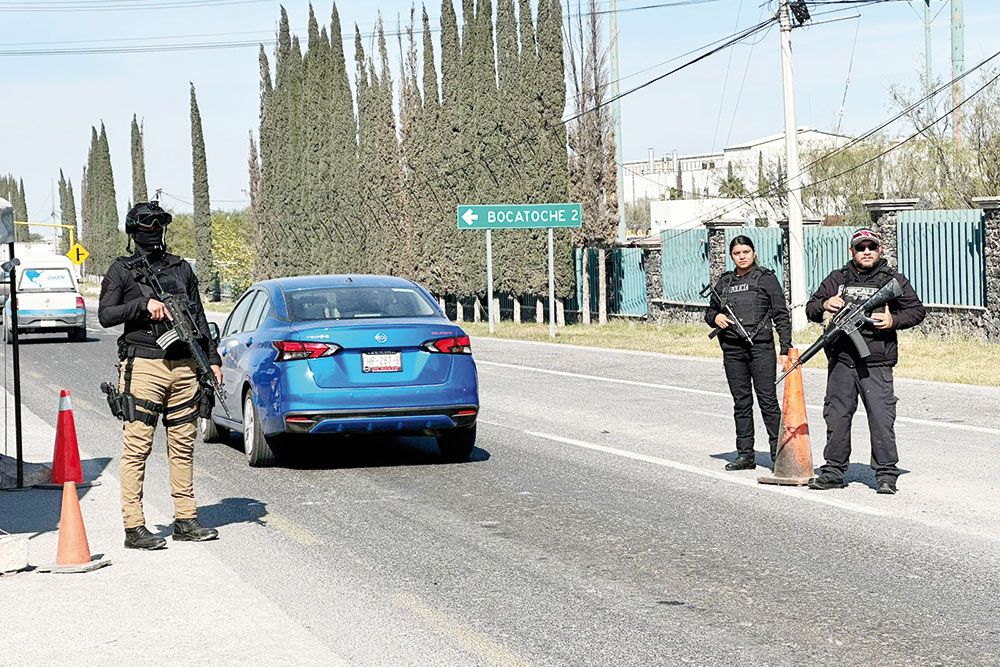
(150, 242)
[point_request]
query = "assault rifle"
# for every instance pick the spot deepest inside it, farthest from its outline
(848, 320)
(740, 329)
(181, 325)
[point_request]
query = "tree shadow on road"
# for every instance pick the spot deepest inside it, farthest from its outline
(37, 511)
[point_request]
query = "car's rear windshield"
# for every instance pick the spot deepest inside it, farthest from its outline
(53, 280)
(348, 303)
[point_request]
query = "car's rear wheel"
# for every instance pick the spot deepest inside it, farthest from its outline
(457, 444)
(259, 451)
(78, 335)
(212, 432)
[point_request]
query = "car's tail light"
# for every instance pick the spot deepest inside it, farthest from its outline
(290, 350)
(79, 303)
(456, 345)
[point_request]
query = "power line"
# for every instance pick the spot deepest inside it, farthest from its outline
(777, 186)
(737, 38)
(39, 6)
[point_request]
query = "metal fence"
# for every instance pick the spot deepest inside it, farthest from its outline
(768, 244)
(826, 249)
(684, 259)
(941, 252)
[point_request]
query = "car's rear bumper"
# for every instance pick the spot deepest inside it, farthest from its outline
(401, 420)
(39, 322)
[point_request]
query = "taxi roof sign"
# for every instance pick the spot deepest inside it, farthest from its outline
(78, 254)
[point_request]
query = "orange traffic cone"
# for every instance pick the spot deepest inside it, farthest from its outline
(73, 553)
(793, 464)
(66, 457)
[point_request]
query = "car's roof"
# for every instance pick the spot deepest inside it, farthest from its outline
(341, 280)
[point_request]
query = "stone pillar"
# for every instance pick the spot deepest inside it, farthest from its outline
(991, 260)
(652, 259)
(718, 250)
(539, 311)
(476, 306)
(883, 214)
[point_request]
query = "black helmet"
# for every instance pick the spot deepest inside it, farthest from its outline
(146, 215)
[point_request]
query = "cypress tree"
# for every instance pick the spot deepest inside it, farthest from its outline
(138, 164)
(255, 203)
(552, 145)
(268, 253)
(343, 151)
(202, 206)
(68, 211)
(104, 239)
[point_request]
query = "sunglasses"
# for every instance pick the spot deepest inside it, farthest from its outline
(861, 247)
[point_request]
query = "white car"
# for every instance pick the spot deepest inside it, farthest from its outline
(48, 300)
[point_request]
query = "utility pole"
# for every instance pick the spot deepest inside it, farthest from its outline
(617, 106)
(929, 78)
(957, 64)
(796, 248)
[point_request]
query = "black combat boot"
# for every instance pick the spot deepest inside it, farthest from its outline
(742, 462)
(140, 538)
(824, 482)
(189, 530)
(886, 487)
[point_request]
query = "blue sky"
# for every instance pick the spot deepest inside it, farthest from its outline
(50, 102)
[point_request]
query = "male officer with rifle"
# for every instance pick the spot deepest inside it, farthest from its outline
(167, 357)
(861, 349)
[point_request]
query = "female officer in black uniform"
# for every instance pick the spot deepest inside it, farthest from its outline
(757, 300)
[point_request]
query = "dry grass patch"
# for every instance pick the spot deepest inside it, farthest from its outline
(960, 360)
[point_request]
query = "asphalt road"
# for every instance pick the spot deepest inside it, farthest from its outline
(595, 525)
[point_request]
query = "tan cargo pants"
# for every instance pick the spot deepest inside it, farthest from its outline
(168, 383)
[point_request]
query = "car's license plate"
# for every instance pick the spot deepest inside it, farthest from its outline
(381, 362)
(49, 323)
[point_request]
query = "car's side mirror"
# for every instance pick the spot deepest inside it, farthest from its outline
(213, 331)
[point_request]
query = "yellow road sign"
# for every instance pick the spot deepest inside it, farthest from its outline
(78, 254)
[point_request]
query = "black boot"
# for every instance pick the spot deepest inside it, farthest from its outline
(140, 538)
(190, 530)
(742, 462)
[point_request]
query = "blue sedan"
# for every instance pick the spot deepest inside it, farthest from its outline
(344, 354)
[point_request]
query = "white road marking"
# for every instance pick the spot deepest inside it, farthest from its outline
(704, 392)
(811, 496)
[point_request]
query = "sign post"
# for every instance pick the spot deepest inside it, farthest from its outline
(520, 216)
(10, 266)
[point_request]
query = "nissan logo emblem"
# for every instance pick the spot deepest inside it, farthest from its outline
(380, 337)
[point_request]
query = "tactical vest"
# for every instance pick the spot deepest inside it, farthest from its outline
(744, 299)
(858, 288)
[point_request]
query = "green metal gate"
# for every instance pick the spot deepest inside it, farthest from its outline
(684, 258)
(941, 253)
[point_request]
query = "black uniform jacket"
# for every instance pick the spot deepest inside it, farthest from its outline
(123, 301)
(907, 311)
(770, 298)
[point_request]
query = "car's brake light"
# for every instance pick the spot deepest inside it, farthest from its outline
(79, 303)
(456, 345)
(290, 350)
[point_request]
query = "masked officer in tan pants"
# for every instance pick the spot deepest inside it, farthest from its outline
(156, 383)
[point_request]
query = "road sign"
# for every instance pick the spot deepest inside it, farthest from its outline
(519, 216)
(78, 254)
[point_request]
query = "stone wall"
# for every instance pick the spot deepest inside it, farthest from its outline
(945, 320)
(940, 321)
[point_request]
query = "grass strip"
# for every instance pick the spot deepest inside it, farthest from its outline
(953, 359)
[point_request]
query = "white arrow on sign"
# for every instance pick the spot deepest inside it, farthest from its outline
(469, 216)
